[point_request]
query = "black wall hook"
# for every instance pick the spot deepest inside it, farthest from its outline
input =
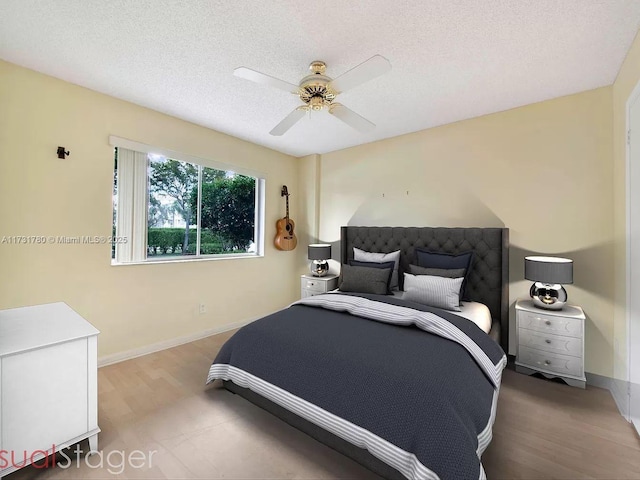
(61, 153)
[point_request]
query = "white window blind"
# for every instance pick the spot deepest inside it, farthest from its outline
(131, 219)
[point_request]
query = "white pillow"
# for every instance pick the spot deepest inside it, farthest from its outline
(363, 256)
(434, 291)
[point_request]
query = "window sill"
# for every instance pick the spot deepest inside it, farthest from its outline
(202, 258)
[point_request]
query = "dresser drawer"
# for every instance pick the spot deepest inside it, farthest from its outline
(316, 286)
(550, 362)
(571, 327)
(550, 342)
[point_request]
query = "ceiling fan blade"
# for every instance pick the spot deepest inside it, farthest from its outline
(262, 78)
(372, 68)
(288, 122)
(351, 118)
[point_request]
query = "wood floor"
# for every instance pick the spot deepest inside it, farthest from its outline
(159, 403)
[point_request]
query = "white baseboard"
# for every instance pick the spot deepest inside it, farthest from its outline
(620, 393)
(599, 381)
(172, 342)
(619, 390)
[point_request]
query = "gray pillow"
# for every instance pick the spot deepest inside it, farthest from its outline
(364, 279)
(363, 256)
(434, 291)
(437, 272)
(388, 265)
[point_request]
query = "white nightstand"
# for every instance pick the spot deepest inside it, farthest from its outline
(550, 342)
(310, 285)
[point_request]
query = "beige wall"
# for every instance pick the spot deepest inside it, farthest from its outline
(627, 79)
(308, 203)
(136, 305)
(543, 170)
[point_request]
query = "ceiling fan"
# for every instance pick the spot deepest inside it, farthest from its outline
(319, 91)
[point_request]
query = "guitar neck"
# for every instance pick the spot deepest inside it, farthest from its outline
(287, 208)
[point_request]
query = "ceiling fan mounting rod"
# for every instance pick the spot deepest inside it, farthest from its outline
(318, 67)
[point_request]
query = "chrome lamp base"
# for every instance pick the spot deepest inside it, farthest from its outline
(319, 268)
(548, 296)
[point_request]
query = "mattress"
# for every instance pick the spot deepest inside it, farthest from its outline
(477, 312)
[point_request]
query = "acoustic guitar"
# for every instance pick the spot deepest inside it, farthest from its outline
(285, 237)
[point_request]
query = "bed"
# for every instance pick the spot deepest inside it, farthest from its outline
(405, 389)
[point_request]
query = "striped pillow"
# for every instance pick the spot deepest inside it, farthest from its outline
(434, 291)
(447, 260)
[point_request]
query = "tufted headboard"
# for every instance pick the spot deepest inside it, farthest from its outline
(489, 277)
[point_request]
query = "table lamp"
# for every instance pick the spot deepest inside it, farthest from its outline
(319, 253)
(548, 275)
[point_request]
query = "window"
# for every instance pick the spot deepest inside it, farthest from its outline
(169, 206)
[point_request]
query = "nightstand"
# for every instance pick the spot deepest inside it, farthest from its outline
(550, 342)
(310, 285)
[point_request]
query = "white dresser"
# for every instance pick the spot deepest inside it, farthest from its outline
(551, 342)
(310, 285)
(48, 381)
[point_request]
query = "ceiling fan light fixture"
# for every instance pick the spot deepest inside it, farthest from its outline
(316, 103)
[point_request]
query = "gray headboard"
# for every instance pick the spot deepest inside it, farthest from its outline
(489, 277)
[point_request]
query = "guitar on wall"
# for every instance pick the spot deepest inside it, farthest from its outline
(285, 237)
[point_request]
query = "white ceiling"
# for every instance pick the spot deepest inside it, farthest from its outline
(452, 59)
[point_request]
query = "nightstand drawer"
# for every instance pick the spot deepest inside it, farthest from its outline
(318, 286)
(540, 322)
(551, 362)
(549, 342)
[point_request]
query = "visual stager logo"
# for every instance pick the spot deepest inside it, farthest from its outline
(115, 461)
(17, 459)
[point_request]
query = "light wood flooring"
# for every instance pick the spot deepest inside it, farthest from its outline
(159, 402)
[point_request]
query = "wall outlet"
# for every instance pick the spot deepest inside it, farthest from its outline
(202, 308)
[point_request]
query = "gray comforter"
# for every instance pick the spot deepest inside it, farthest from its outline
(414, 385)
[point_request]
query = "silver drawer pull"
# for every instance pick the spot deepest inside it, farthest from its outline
(547, 322)
(547, 362)
(548, 341)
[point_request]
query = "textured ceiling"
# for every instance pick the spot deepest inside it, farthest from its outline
(452, 59)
